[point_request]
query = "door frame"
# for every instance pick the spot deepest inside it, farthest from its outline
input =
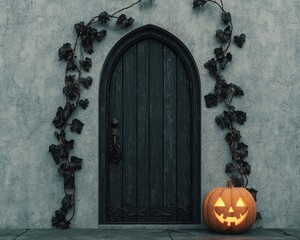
(150, 31)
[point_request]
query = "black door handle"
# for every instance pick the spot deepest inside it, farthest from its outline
(115, 152)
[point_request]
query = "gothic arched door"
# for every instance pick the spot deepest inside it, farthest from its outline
(149, 131)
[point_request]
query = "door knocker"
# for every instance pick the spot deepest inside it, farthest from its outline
(115, 153)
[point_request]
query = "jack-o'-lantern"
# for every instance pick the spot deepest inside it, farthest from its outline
(229, 210)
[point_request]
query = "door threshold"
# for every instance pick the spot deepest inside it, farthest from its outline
(150, 226)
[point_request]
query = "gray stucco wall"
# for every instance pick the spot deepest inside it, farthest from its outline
(31, 80)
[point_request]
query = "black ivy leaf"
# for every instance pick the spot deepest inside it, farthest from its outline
(211, 100)
(71, 89)
(59, 216)
(66, 147)
(69, 182)
(211, 65)
(237, 182)
(75, 163)
(242, 148)
(87, 44)
(240, 40)
(225, 60)
(226, 17)
(245, 167)
(80, 28)
(239, 152)
(65, 171)
(224, 120)
(229, 168)
(124, 21)
(224, 36)
(237, 91)
(65, 52)
(221, 89)
(233, 136)
(62, 134)
(219, 53)
(56, 152)
(120, 19)
(100, 35)
(258, 216)
(61, 151)
(91, 33)
(67, 203)
(60, 221)
(71, 66)
(240, 117)
(128, 22)
(86, 82)
(103, 17)
(76, 126)
(69, 79)
(63, 114)
(198, 3)
(88, 35)
(253, 193)
(83, 103)
(86, 64)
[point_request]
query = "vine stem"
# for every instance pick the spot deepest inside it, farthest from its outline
(217, 4)
(92, 21)
(226, 104)
(75, 45)
(126, 8)
(246, 180)
(231, 25)
(73, 214)
(222, 3)
(232, 94)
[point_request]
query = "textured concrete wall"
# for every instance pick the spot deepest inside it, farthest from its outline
(31, 80)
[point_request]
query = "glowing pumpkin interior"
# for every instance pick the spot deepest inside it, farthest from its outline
(231, 213)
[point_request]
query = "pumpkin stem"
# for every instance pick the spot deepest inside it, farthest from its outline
(229, 183)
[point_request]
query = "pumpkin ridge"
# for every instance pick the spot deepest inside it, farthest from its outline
(247, 197)
(214, 192)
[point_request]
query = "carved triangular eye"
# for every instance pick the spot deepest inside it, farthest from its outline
(240, 203)
(220, 203)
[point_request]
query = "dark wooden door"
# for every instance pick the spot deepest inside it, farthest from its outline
(156, 180)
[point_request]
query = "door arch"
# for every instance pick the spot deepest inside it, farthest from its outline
(151, 85)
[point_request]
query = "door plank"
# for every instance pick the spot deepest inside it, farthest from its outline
(143, 130)
(169, 134)
(115, 169)
(129, 133)
(156, 131)
(184, 187)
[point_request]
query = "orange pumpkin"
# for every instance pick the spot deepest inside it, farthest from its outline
(229, 210)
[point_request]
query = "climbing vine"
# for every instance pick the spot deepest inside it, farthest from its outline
(75, 82)
(77, 65)
(239, 169)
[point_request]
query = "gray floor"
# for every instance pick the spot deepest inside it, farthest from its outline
(146, 233)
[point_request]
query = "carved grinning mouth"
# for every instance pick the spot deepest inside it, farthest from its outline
(230, 220)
